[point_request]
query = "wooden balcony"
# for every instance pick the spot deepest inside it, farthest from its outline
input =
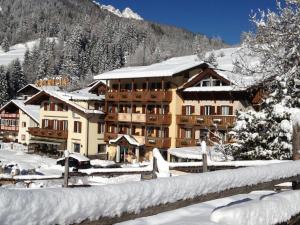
(156, 142)
(110, 136)
(9, 128)
(48, 133)
(159, 119)
(207, 121)
(111, 117)
(9, 115)
(139, 96)
(185, 142)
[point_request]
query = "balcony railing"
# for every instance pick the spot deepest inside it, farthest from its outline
(9, 115)
(186, 142)
(9, 128)
(157, 142)
(196, 120)
(111, 117)
(49, 133)
(139, 96)
(159, 119)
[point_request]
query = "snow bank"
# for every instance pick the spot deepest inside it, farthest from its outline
(45, 206)
(273, 209)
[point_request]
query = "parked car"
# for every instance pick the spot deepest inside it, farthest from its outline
(76, 160)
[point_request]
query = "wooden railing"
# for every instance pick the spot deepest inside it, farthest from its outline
(157, 142)
(49, 133)
(9, 115)
(196, 120)
(111, 117)
(159, 119)
(139, 96)
(9, 128)
(185, 142)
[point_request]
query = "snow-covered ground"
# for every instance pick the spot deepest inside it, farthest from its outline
(198, 214)
(17, 52)
(44, 165)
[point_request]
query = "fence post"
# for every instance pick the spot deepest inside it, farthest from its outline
(204, 156)
(155, 169)
(296, 142)
(66, 174)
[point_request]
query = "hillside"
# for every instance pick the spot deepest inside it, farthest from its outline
(90, 39)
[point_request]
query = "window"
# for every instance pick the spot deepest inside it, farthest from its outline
(46, 106)
(23, 137)
(189, 110)
(188, 133)
(77, 127)
(207, 110)
(225, 110)
(101, 149)
(101, 128)
(76, 147)
(23, 124)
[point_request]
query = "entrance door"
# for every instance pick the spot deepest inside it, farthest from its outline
(123, 153)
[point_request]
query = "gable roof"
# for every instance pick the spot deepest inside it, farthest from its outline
(130, 139)
(28, 87)
(166, 68)
(32, 111)
(68, 98)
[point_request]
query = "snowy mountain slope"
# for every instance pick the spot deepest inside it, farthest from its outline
(17, 52)
(126, 13)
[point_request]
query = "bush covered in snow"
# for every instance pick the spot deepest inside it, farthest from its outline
(262, 135)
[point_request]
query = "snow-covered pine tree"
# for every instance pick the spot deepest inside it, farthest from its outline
(3, 86)
(5, 44)
(16, 78)
(211, 59)
(276, 43)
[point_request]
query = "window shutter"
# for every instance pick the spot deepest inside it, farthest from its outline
(193, 109)
(167, 132)
(143, 131)
(45, 106)
(43, 123)
(75, 126)
(183, 110)
(143, 109)
(219, 110)
(230, 110)
(182, 133)
(79, 127)
(201, 110)
(212, 108)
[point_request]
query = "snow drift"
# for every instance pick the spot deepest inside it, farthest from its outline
(67, 206)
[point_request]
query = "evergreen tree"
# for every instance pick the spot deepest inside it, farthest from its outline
(16, 78)
(268, 134)
(3, 86)
(5, 45)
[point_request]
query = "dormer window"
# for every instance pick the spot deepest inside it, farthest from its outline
(210, 81)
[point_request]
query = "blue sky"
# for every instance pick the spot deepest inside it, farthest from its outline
(215, 18)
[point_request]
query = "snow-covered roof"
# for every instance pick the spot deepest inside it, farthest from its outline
(209, 89)
(193, 152)
(131, 140)
(33, 111)
(225, 59)
(79, 157)
(71, 98)
(163, 69)
(29, 85)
